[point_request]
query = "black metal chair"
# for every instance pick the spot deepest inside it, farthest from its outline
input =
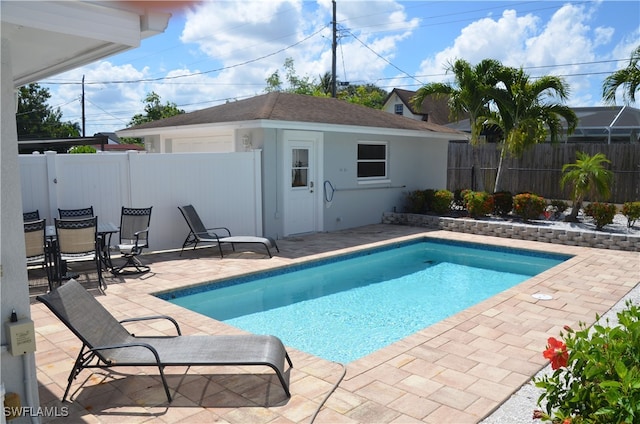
(134, 237)
(37, 248)
(31, 216)
(77, 240)
(76, 213)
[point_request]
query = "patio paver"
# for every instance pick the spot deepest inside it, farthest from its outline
(456, 371)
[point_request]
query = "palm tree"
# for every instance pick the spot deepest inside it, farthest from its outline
(527, 112)
(628, 78)
(467, 97)
(588, 177)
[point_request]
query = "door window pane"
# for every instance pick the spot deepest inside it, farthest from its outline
(299, 167)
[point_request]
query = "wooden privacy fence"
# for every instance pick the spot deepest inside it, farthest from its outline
(539, 170)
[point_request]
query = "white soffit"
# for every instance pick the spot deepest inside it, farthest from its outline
(48, 38)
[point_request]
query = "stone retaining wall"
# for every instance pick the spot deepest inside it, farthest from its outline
(518, 231)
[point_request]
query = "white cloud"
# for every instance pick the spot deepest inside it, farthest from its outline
(527, 41)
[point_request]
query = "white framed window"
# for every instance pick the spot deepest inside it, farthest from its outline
(399, 108)
(372, 160)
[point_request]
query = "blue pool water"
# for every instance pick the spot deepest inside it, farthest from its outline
(343, 309)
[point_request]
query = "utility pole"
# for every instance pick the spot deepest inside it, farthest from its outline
(83, 119)
(333, 53)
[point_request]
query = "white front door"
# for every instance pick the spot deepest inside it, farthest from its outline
(301, 185)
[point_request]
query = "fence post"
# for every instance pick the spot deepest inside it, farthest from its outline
(52, 184)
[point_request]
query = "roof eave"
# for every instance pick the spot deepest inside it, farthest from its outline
(291, 125)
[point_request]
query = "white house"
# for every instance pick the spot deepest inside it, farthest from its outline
(41, 39)
(326, 164)
(433, 109)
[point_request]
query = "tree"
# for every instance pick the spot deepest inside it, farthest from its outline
(527, 113)
(155, 110)
(588, 177)
(628, 78)
(35, 119)
(468, 96)
(367, 95)
(297, 85)
(469, 93)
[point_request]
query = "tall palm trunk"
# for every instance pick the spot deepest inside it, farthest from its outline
(497, 187)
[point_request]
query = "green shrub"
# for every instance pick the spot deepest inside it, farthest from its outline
(415, 202)
(528, 205)
(602, 213)
(458, 200)
(429, 195)
(441, 203)
(502, 203)
(558, 207)
(596, 377)
(632, 211)
(82, 149)
(478, 203)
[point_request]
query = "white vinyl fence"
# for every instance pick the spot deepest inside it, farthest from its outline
(225, 189)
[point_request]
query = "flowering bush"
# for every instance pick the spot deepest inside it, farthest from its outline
(478, 203)
(441, 203)
(528, 205)
(596, 377)
(632, 211)
(602, 213)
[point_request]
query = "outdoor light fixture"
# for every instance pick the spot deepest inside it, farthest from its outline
(246, 141)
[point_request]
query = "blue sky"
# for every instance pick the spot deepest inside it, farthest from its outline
(219, 51)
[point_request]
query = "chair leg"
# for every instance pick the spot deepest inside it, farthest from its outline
(131, 262)
(164, 383)
(77, 367)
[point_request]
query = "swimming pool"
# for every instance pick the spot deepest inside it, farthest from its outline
(344, 308)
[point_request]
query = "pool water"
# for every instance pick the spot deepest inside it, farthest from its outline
(343, 309)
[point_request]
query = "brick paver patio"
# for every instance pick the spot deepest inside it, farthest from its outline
(456, 371)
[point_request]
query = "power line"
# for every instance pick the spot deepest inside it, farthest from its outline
(246, 62)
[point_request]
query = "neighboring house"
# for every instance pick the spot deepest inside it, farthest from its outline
(41, 39)
(327, 164)
(596, 124)
(433, 110)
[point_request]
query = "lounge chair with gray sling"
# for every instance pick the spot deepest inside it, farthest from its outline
(198, 233)
(107, 343)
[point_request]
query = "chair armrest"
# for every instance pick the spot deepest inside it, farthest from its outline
(125, 345)
(152, 317)
(220, 228)
(137, 234)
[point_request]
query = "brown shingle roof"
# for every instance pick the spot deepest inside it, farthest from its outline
(295, 108)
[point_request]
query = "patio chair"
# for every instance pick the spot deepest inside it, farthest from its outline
(76, 213)
(77, 240)
(37, 248)
(198, 233)
(31, 216)
(134, 237)
(107, 343)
